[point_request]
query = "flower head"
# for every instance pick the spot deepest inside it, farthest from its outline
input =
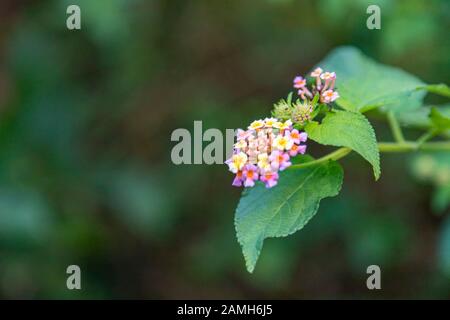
(237, 162)
(257, 124)
(296, 149)
(329, 96)
(262, 151)
(242, 134)
(269, 122)
(250, 174)
(299, 82)
(294, 135)
(282, 143)
(282, 109)
(240, 144)
(270, 179)
(238, 179)
(302, 112)
(317, 72)
(320, 87)
(328, 75)
(283, 125)
(279, 160)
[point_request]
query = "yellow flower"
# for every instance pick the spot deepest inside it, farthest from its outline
(283, 125)
(237, 162)
(241, 144)
(263, 162)
(256, 124)
(269, 122)
(282, 143)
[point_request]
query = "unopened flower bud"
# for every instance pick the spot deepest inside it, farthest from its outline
(282, 110)
(302, 112)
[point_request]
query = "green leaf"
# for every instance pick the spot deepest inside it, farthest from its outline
(347, 129)
(439, 119)
(315, 99)
(421, 117)
(280, 211)
(289, 99)
(441, 89)
(364, 84)
(418, 118)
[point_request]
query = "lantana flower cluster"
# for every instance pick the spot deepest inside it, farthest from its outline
(324, 86)
(263, 150)
(322, 91)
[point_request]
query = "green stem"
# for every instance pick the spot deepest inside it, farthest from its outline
(435, 146)
(388, 147)
(397, 147)
(426, 136)
(395, 127)
(335, 155)
(414, 146)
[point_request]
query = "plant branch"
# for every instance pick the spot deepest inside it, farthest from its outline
(335, 155)
(408, 146)
(388, 147)
(427, 136)
(395, 127)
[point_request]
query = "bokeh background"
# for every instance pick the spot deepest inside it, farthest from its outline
(85, 170)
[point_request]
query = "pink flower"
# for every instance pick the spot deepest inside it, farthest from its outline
(299, 82)
(242, 134)
(260, 153)
(237, 182)
(320, 88)
(250, 174)
(279, 160)
(270, 179)
(296, 149)
(329, 96)
(328, 75)
(253, 144)
(303, 137)
(294, 135)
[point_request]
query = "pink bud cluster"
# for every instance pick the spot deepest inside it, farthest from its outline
(263, 150)
(324, 86)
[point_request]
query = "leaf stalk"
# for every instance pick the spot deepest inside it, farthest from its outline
(395, 127)
(387, 147)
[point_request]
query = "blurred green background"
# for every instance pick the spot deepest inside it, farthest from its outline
(85, 170)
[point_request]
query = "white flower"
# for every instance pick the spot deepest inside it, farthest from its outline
(269, 122)
(263, 162)
(241, 144)
(328, 75)
(283, 125)
(282, 143)
(257, 124)
(237, 162)
(317, 72)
